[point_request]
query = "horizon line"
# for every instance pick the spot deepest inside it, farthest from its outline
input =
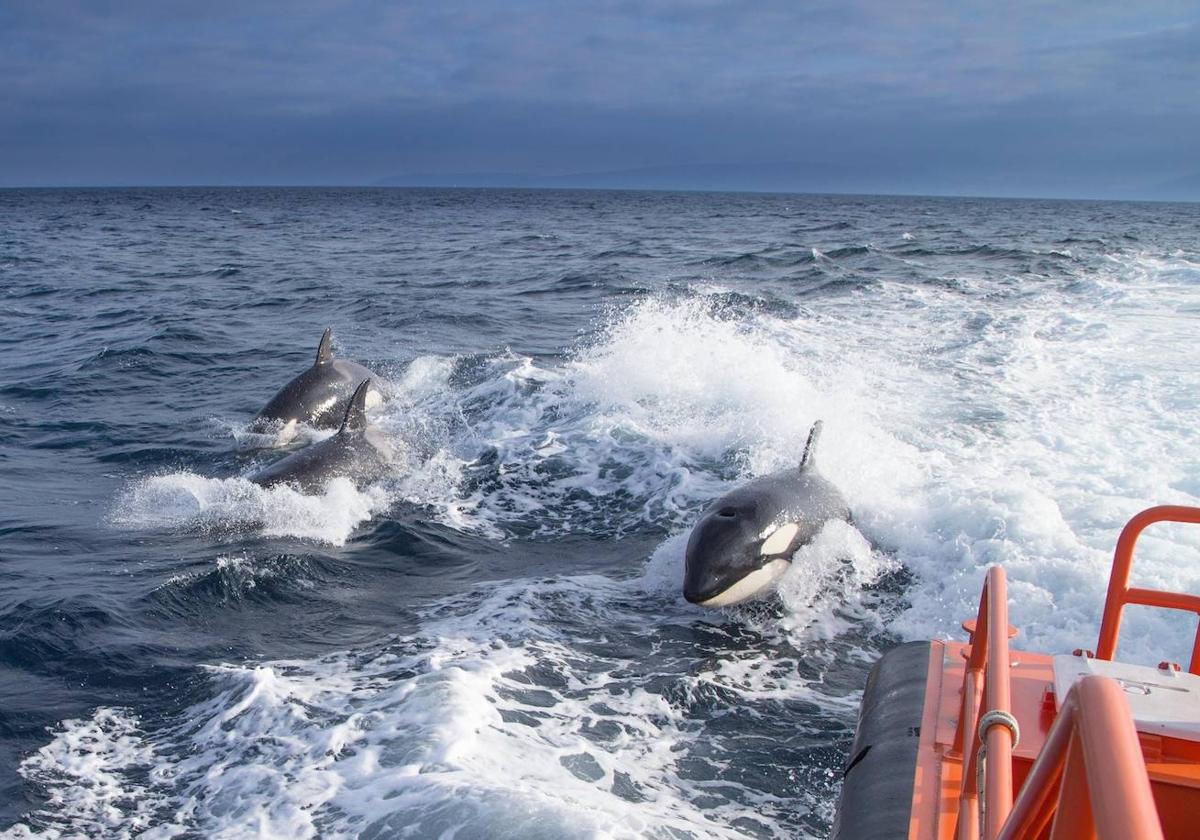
(567, 187)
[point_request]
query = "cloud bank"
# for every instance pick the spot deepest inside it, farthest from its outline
(1047, 98)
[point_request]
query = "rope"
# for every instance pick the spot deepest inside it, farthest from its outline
(998, 718)
(993, 718)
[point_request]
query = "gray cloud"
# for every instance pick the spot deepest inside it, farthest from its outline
(1100, 96)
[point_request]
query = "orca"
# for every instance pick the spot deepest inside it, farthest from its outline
(358, 451)
(318, 396)
(744, 540)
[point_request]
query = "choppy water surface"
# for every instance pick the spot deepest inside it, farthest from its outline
(491, 641)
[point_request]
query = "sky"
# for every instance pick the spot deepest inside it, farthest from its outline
(1075, 99)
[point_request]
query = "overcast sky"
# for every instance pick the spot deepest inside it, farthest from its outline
(1010, 98)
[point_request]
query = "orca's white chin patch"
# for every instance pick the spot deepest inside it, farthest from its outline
(749, 586)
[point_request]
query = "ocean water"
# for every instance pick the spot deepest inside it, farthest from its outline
(490, 642)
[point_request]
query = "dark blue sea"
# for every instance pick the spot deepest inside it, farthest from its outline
(490, 641)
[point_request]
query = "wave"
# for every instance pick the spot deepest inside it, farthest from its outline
(43, 637)
(497, 719)
(186, 501)
(826, 227)
(1008, 405)
(238, 579)
(847, 251)
(946, 432)
(779, 258)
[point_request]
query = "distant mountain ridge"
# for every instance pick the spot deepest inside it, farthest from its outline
(804, 177)
(753, 177)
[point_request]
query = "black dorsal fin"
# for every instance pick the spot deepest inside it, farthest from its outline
(325, 348)
(356, 412)
(809, 459)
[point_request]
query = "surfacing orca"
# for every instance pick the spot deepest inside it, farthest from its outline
(744, 540)
(318, 396)
(358, 452)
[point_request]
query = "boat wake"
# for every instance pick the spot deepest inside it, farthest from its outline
(498, 719)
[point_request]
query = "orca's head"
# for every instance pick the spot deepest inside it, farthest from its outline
(725, 560)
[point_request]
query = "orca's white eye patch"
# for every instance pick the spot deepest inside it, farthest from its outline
(779, 540)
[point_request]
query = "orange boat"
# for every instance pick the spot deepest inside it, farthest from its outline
(1097, 748)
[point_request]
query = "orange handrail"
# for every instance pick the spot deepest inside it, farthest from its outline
(1092, 756)
(1090, 778)
(1120, 594)
(987, 677)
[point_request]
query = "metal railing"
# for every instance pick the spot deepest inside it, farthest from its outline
(987, 680)
(1120, 594)
(1093, 759)
(1089, 780)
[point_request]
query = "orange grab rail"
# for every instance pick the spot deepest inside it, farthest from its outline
(1093, 757)
(987, 679)
(1120, 594)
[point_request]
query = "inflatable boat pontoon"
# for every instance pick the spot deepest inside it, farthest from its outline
(1097, 748)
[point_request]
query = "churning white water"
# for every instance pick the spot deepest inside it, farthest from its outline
(971, 417)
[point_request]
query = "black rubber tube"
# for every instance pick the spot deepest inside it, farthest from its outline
(877, 784)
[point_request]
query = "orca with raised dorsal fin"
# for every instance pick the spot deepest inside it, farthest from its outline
(358, 451)
(745, 540)
(319, 395)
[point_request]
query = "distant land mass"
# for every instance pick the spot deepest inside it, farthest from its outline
(813, 178)
(717, 177)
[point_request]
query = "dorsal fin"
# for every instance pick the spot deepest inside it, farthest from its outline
(325, 348)
(356, 412)
(809, 459)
